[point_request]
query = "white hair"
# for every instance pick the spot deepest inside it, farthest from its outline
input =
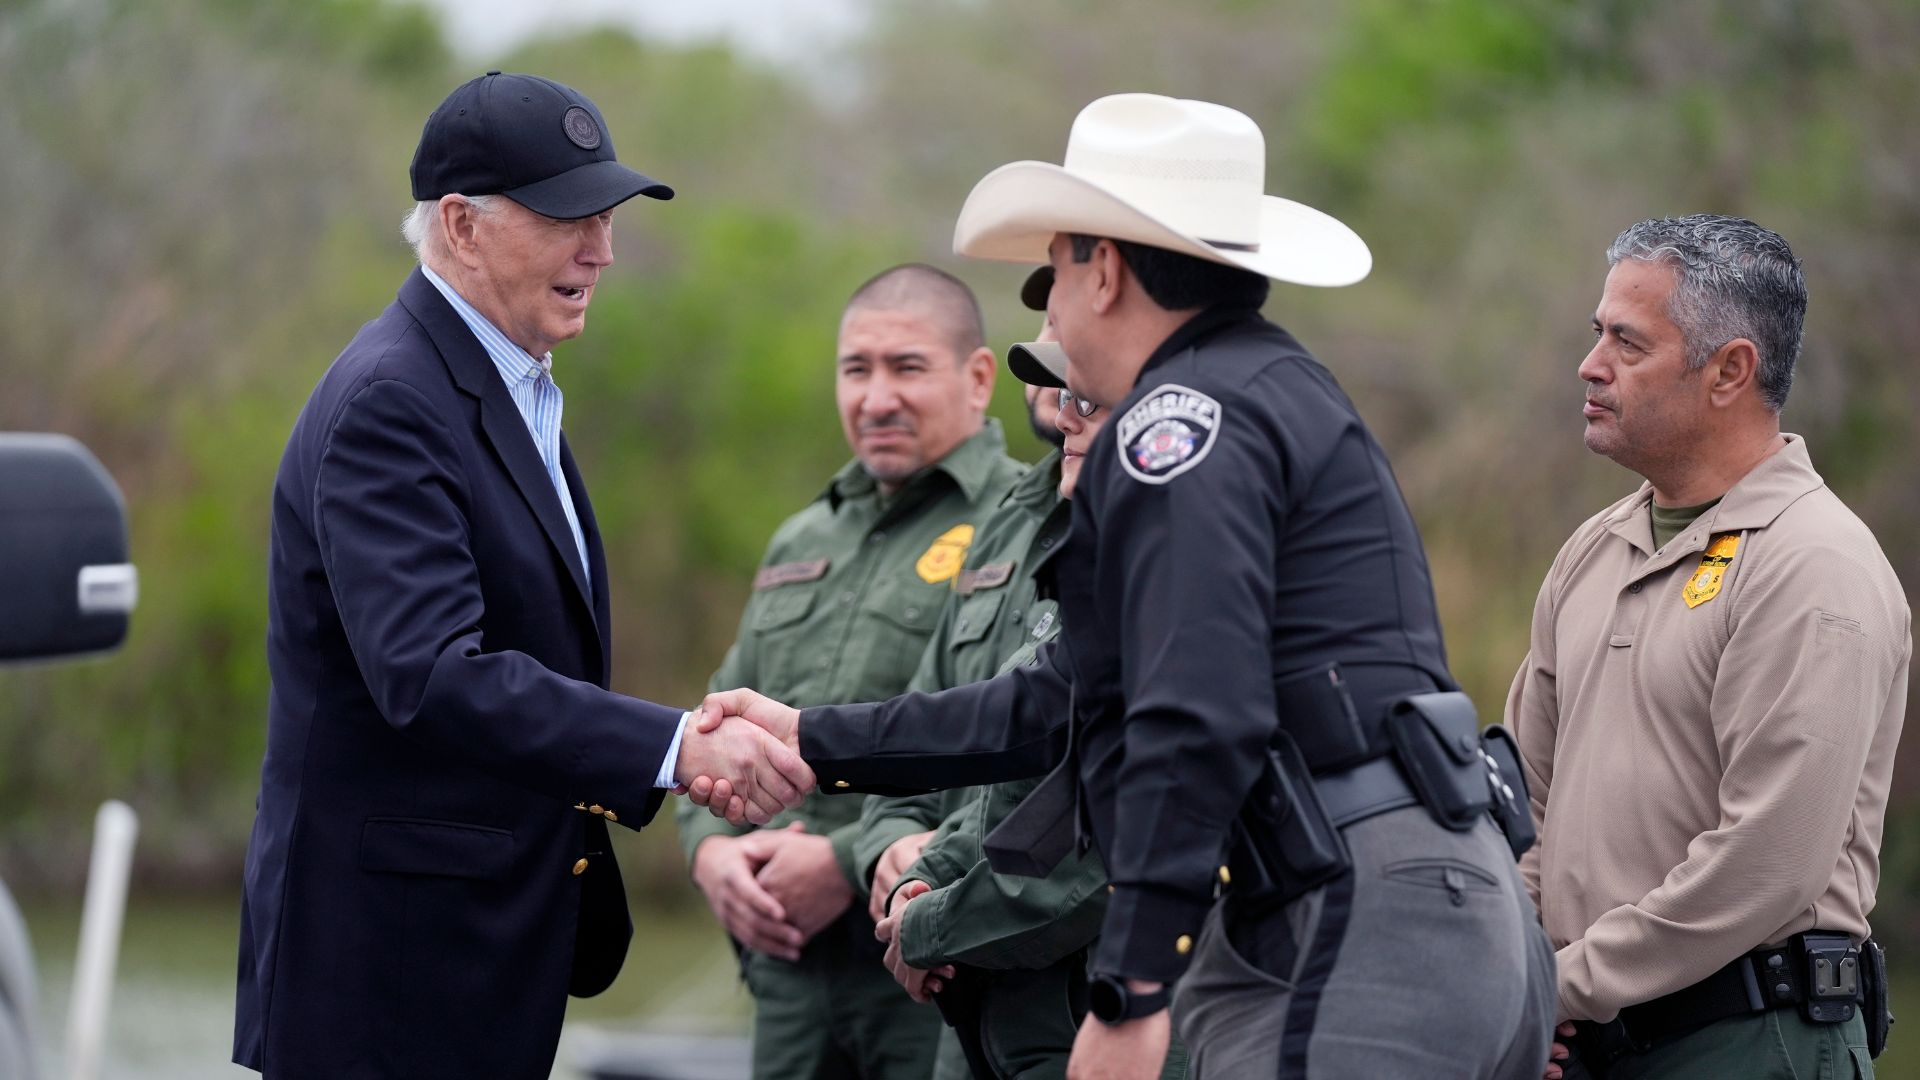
(421, 226)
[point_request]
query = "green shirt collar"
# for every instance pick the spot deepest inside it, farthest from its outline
(1671, 521)
(1039, 484)
(970, 466)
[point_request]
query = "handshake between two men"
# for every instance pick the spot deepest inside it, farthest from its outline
(741, 760)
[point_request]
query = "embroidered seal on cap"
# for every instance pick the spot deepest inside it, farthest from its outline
(1167, 432)
(581, 129)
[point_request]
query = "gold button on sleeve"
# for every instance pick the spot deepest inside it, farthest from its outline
(841, 784)
(1182, 945)
(579, 806)
(611, 816)
(596, 808)
(581, 868)
(1226, 876)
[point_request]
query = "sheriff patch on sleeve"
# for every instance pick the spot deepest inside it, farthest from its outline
(1166, 433)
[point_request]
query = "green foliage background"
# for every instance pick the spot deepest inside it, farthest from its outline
(201, 202)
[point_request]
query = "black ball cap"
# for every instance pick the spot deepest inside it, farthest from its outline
(1038, 286)
(539, 143)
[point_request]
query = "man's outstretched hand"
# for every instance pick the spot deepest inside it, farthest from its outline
(747, 771)
(720, 790)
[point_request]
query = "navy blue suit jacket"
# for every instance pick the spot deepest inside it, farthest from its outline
(415, 904)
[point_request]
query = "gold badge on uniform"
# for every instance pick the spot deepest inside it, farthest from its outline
(943, 559)
(1704, 585)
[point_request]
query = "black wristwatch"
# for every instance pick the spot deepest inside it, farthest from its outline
(1112, 1003)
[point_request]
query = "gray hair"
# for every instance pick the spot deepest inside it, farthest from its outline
(421, 226)
(1733, 279)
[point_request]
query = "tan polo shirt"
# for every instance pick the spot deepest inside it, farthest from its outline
(1708, 733)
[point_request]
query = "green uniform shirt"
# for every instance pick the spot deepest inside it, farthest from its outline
(994, 622)
(849, 592)
(993, 609)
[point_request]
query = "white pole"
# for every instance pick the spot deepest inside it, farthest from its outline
(114, 830)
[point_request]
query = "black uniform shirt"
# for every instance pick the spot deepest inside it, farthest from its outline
(1234, 523)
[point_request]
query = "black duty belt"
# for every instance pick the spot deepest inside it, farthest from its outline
(1367, 789)
(1819, 972)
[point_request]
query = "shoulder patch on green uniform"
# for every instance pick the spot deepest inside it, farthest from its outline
(790, 573)
(1167, 432)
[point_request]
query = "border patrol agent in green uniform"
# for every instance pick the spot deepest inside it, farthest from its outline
(994, 606)
(848, 594)
(1250, 689)
(1017, 947)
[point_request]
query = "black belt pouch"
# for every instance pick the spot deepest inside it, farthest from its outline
(1876, 1008)
(1511, 810)
(1437, 739)
(1286, 831)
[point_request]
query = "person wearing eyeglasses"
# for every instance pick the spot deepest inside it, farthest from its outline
(1004, 958)
(841, 609)
(1249, 712)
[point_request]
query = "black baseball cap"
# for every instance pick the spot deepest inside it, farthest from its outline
(1038, 286)
(539, 143)
(1038, 363)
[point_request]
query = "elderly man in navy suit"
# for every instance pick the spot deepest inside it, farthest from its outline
(429, 874)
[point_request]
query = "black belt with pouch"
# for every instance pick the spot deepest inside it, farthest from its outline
(1459, 771)
(1440, 757)
(1321, 774)
(1824, 974)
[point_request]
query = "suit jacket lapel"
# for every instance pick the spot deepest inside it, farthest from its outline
(596, 557)
(474, 373)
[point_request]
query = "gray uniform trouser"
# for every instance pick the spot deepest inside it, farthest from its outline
(1427, 960)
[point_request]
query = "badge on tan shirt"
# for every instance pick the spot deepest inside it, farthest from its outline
(1704, 585)
(942, 560)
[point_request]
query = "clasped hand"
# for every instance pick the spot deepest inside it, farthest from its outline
(740, 758)
(774, 889)
(919, 983)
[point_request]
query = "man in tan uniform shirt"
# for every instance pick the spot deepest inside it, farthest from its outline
(1714, 690)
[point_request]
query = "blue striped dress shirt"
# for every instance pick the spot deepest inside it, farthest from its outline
(535, 394)
(538, 398)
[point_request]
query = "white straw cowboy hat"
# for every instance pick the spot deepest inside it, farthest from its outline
(1187, 176)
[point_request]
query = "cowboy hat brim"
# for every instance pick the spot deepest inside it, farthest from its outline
(1015, 210)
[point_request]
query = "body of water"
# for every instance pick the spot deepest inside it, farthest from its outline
(172, 1014)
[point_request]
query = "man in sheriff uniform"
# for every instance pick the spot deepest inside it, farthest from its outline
(841, 611)
(1250, 689)
(1714, 690)
(1007, 954)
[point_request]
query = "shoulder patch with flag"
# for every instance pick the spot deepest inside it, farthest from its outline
(1166, 433)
